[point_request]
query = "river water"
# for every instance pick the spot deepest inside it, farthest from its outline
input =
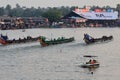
(30, 61)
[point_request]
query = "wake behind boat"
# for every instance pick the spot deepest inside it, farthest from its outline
(88, 39)
(61, 40)
(5, 41)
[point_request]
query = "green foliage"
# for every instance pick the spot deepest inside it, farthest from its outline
(118, 8)
(1, 11)
(52, 15)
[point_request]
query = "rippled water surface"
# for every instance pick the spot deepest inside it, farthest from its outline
(30, 61)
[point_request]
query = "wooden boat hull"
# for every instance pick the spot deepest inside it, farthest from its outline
(54, 42)
(103, 39)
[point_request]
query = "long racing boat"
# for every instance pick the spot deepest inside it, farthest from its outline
(61, 40)
(94, 40)
(5, 41)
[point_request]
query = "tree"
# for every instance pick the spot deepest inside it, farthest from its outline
(52, 15)
(17, 11)
(118, 8)
(1, 11)
(8, 10)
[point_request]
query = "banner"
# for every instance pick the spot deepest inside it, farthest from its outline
(99, 15)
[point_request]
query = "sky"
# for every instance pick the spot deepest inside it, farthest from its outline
(59, 3)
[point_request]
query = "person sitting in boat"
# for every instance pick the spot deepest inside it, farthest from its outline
(88, 37)
(13, 41)
(19, 39)
(29, 37)
(91, 61)
(54, 39)
(58, 38)
(62, 38)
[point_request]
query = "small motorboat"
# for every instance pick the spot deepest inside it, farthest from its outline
(92, 63)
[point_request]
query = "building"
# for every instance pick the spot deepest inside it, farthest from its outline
(7, 22)
(97, 18)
